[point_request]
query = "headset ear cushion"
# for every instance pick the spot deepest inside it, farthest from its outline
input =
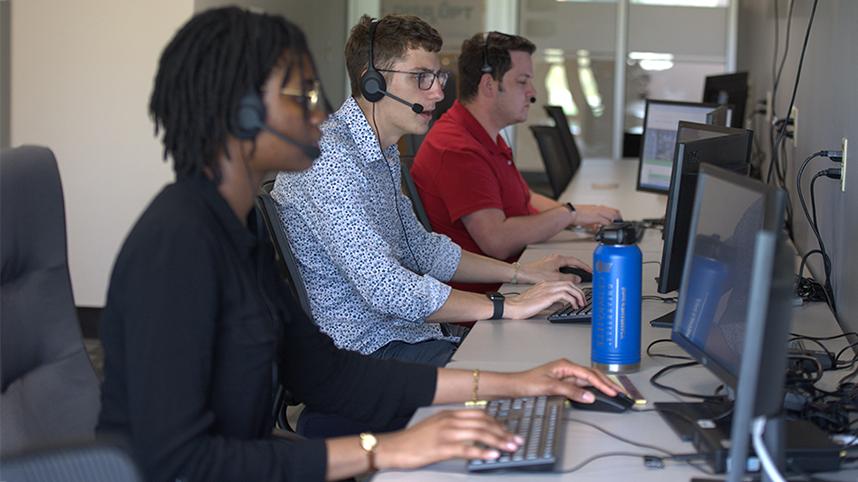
(371, 85)
(249, 117)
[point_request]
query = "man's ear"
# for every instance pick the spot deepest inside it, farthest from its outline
(488, 86)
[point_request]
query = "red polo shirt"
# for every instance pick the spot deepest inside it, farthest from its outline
(459, 170)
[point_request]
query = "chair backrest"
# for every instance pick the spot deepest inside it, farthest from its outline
(50, 393)
(632, 145)
(570, 147)
(90, 463)
(410, 190)
(550, 147)
(285, 256)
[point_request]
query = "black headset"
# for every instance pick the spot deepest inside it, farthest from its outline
(249, 120)
(486, 68)
(372, 83)
(249, 117)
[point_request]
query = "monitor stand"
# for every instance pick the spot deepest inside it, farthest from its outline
(663, 321)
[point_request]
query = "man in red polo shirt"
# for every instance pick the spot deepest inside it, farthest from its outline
(468, 182)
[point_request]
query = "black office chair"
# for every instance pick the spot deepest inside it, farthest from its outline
(631, 145)
(282, 249)
(310, 424)
(50, 392)
(551, 148)
(570, 147)
(410, 190)
(80, 463)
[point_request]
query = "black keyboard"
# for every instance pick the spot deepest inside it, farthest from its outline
(568, 314)
(539, 421)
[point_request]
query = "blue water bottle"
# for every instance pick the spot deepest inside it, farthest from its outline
(616, 338)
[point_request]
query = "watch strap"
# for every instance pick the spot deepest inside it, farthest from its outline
(497, 304)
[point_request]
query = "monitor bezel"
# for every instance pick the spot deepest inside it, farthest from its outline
(708, 105)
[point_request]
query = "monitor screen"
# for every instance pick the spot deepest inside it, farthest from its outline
(658, 143)
(729, 89)
(729, 212)
(697, 143)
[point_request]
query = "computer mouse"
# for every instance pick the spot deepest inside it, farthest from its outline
(617, 404)
(586, 276)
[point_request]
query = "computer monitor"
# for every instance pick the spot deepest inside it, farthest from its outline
(734, 314)
(661, 120)
(718, 279)
(697, 143)
(729, 89)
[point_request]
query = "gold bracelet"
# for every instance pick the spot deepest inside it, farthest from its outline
(517, 267)
(475, 400)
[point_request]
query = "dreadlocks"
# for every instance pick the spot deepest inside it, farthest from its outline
(216, 58)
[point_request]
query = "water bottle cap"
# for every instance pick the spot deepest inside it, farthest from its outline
(617, 233)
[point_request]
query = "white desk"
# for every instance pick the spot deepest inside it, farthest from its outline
(613, 183)
(512, 345)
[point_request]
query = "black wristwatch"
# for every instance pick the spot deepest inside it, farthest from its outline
(497, 301)
(570, 207)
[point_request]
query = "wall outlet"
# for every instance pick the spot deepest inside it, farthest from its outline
(844, 144)
(794, 116)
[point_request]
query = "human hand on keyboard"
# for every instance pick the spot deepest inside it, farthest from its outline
(562, 377)
(541, 296)
(459, 434)
(548, 269)
(589, 214)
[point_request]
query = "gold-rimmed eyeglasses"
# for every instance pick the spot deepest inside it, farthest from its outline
(311, 99)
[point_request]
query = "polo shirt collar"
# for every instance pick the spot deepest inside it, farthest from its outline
(473, 126)
(241, 236)
(362, 133)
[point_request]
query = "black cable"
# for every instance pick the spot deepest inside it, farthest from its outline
(663, 355)
(826, 261)
(813, 195)
(816, 342)
(823, 338)
(786, 47)
(804, 260)
(828, 287)
(620, 438)
(395, 193)
(654, 381)
(844, 350)
(782, 130)
(589, 460)
(775, 50)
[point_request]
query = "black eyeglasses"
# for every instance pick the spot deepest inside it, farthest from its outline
(425, 79)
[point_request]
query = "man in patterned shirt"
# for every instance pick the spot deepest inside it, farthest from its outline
(375, 277)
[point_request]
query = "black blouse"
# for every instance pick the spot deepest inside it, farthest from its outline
(198, 326)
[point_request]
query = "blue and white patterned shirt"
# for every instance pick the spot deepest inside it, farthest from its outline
(364, 285)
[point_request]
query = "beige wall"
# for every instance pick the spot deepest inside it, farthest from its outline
(81, 74)
(828, 111)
